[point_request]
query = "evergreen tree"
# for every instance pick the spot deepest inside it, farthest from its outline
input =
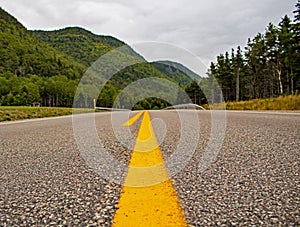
(195, 93)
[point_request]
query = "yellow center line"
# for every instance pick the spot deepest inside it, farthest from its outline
(133, 119)
(148, 197)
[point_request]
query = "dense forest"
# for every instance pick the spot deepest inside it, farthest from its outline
(31, 71)
(269, 66)
(45, 67)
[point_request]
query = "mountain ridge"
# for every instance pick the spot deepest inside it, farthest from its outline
(46, 66)
(89, 46)
(181, 68)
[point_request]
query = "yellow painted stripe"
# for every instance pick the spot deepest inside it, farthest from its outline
(148, 197)
(133, 119)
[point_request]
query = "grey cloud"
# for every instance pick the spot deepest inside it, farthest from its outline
(205, 27)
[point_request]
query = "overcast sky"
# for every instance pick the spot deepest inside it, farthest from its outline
(204, 27)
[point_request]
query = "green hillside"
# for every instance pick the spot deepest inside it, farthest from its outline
(22, 53)
(45, 67)
(181, 78)
(31, 71)
(86, 48)
(89, 47)
(176, 71)
(78, 43)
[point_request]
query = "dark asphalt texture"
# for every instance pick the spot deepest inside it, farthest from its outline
(253, 181)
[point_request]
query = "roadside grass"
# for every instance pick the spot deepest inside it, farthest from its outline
(290, 102)
(12, 113)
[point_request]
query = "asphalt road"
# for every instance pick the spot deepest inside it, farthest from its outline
(253, 180)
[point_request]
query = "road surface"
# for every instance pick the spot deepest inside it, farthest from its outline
(254, 180)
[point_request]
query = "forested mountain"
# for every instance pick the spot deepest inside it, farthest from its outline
(22, 53)
(32, 71)
(86, 48)
(269, 66)
(89, 47)
(177, 72)
(46, 66)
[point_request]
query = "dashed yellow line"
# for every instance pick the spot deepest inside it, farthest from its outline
(133, 119)
(148, 197)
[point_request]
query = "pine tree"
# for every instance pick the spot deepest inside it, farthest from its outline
(237, 68)
(296, 65)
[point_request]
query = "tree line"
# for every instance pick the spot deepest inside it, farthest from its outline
(46, 91)
(269, 65)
